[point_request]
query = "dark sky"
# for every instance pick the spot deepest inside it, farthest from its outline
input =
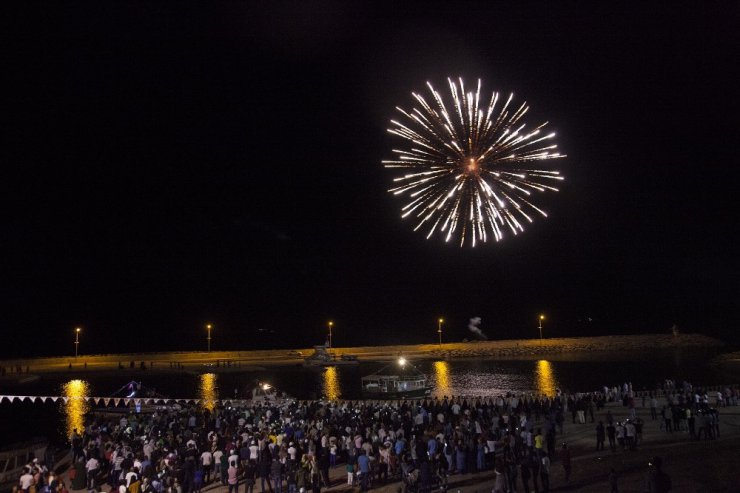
(169, 165)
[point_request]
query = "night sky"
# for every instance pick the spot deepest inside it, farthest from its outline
(168, 166)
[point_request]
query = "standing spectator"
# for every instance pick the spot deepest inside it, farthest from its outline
(92, 467)
(26, 480)
(206, 460)
(233, 477)
(545, 472)
(499, 483)
(565, 460)
(657, 480)
(276, 473)
(613, 481)
(611, 432)
(630, 433)
(363, 463)
(667, 419)
(600, 435)
(350, 473)
(525, 472)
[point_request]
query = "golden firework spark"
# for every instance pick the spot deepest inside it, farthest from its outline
(469, 171)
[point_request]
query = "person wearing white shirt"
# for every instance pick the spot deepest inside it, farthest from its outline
(132, 476)
(25, 481)
(92, 466)
(217, 461)
(148, 448)
(206, 459)
(234, 457)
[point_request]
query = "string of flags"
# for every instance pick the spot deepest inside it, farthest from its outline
(115, 401)
(126, 401)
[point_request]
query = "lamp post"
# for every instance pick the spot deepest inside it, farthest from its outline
(209, 327)
(77, 340)
(439, 330)
(542, 317)
(331, 324)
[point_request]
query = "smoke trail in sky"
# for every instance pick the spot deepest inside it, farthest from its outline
(474, 327)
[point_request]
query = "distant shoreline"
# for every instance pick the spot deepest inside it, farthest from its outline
(514, 349)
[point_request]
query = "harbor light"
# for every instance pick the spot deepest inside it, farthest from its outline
(77, 340)
(208, 328)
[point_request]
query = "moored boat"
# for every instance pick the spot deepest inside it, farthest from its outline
(323, 357)
(399, 380)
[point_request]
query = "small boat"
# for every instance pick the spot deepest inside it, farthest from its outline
(322, 357)
(14, 457)
(398, 380)
(266, 394)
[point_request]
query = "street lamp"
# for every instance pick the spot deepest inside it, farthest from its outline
(77, 340)
(542, 317)
(331, 324)
(209, 327)
(439, 330)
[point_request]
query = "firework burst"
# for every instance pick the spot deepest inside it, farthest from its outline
(471, 171)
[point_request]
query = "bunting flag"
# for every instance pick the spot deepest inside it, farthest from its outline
(116, 401)
(106, 400)
(54, 399)
(65, 399)
(126, 401)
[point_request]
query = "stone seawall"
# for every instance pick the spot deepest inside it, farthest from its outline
(506, 349)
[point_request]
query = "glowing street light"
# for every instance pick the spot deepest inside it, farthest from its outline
(542, 317)
(439, 329)
(331, 324)
(77, 340)
(209, 327)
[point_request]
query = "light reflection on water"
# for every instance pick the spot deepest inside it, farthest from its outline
(74, 410)
(441, 379)
(468, 379)
(546, 383)
(208, 390)
(331, 388)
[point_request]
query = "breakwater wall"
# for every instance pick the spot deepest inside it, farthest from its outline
(244, 359)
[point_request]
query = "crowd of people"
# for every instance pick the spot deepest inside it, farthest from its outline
(290, 446)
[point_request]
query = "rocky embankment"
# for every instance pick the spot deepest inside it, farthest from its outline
(535, 348)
